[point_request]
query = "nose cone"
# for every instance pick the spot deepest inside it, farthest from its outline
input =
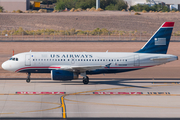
(5, 66)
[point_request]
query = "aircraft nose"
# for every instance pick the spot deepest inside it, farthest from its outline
(4, 66)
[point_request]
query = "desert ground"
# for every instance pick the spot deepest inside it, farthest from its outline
(111, 20)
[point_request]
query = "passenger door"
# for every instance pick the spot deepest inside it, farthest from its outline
(27, 60)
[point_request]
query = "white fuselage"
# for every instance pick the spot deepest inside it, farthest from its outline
(111, 62)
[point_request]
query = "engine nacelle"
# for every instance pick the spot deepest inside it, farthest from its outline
(63, 75)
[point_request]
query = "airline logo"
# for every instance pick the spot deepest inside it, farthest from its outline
(160, 41)
(71, 56)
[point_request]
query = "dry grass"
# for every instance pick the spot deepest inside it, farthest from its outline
(144, 11)
(123, 10)
(137, 13)
(19, 11)
(99, 9)
(72, 10)
(42, 11)
(92, 9)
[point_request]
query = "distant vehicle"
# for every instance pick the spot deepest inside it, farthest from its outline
(69, 65)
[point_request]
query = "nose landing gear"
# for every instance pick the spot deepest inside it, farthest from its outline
(28, 78)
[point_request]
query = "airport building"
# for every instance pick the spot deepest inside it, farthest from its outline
(172, 4)
(10, 5)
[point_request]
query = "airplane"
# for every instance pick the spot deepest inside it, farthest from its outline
(69, 65)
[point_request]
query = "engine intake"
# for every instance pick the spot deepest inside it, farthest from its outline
(63, 75)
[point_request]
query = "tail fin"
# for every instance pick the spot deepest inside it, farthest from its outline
(159, 42)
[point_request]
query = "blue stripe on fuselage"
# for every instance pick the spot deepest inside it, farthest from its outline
(98, 71)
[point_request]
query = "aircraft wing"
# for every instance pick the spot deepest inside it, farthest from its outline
(79, 68)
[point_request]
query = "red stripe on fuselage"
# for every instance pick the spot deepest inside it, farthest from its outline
(37, 68)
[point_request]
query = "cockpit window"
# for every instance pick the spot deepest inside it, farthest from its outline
(13, 59)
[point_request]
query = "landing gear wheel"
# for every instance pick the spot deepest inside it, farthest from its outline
(28, 78)
(86, 80)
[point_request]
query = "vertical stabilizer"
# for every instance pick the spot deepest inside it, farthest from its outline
(159, 42)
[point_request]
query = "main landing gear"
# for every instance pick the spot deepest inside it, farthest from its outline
(86, 80)
(28, 78)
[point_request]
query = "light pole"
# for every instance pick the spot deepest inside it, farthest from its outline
(97, 4)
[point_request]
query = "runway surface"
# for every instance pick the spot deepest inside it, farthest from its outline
(100, 98)
(152, 92)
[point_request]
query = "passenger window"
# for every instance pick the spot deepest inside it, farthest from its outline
(64, 60)
(58, 59)
(44, 59)
(117, 59)
(92, 59)
(89, 59)
(33, 59)
(103, 59)
(55, 59)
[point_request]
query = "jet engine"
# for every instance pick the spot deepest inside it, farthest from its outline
(63, 75)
